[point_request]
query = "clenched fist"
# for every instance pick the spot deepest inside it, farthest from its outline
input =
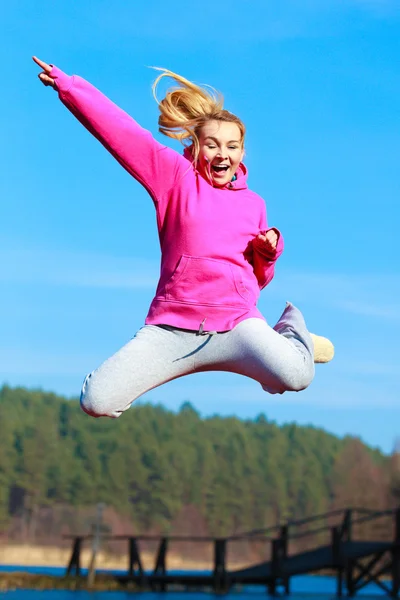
(267, 242)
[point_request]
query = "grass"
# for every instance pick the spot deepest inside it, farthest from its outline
(29, 581)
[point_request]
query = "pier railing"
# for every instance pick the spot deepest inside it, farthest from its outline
(276, 544)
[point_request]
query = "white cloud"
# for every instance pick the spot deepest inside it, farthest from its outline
(369, 368)
(228, 393)
(371, 310)
(367, 295)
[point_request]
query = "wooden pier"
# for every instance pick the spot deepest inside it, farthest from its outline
(356, 563)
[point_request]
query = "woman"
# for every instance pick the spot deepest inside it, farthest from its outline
(217, 252)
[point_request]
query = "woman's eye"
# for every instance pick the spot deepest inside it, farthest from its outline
(233, 147)
(210, 147)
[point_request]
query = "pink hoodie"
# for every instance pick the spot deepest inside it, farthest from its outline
(211, 272)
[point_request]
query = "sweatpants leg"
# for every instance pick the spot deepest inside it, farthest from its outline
(281, 358)
(155, 355)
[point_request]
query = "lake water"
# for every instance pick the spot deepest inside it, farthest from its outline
(305, 587)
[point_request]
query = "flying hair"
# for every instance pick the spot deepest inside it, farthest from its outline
(187, 107)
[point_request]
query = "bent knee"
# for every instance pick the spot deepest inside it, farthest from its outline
(95, 400)
(290, 381)
(300, 384)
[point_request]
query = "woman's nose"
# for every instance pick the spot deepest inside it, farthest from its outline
(222, 153)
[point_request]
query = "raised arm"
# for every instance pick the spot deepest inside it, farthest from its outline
(154, 165)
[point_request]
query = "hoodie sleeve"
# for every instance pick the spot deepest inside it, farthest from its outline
(263, 262)
(153, 165)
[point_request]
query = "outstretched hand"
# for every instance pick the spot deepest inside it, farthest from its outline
(44, 75)
(267, 242)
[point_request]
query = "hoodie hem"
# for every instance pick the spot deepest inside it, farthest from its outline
(213, 318)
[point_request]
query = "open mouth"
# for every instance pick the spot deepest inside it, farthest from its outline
(221, 169)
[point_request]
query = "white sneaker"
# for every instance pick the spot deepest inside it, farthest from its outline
(323, 349)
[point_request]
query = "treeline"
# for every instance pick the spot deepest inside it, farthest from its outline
(151, 465)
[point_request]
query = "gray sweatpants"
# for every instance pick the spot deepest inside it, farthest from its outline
(281, 359)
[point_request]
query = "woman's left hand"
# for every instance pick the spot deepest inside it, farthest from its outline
(44, 76)
(267, 241)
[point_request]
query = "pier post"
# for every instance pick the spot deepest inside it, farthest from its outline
(75, 560)
(279, 550)
(134, 560)
(95, 544)
(220, 580)
(335, 537)
(274, 560)
(396, 556)
(347, 533)
(284, 552)
(160, 566)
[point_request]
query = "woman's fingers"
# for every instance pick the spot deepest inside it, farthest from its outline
(46, 80)
(44, 76)
(272, 238)
(47, 68)
(268, 240)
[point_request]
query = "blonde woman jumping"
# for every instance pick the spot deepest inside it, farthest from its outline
(217, 251)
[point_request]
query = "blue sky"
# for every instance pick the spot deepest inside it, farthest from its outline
(317, 84)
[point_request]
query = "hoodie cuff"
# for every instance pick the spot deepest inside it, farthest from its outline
(63, 81)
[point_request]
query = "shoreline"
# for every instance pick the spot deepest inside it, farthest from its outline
(28, 555)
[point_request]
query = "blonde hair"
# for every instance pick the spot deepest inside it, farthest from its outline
(187, 107)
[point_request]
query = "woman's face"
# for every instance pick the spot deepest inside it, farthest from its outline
(221, 151)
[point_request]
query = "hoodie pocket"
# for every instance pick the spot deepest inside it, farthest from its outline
(207, 281)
